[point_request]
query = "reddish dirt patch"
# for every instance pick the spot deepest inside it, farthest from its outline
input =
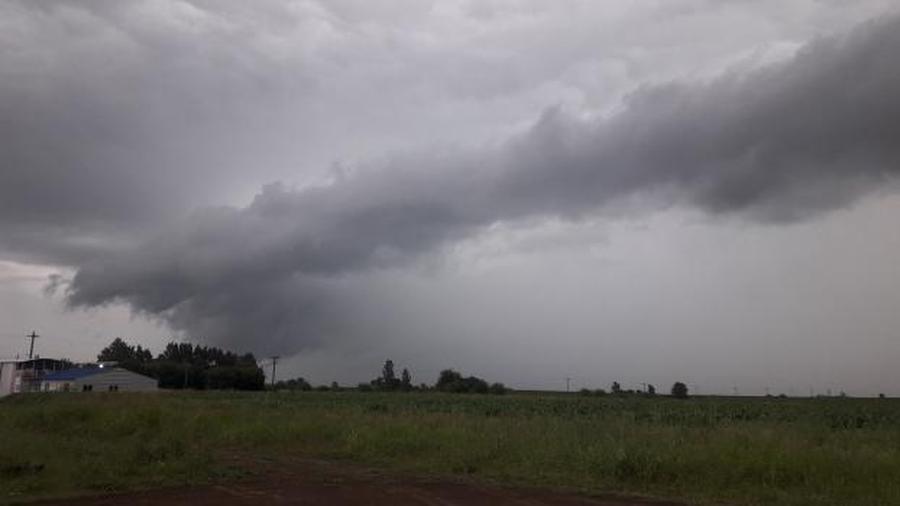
(325, 483)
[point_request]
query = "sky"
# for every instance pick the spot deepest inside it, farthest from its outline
(528, 191)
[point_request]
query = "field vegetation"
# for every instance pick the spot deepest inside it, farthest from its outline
(836, 451)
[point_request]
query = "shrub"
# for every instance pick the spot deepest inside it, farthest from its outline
(452, 381)
(679, 390)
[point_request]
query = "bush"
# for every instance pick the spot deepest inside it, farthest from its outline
(293, 384)
(452, 381)
(679, 390)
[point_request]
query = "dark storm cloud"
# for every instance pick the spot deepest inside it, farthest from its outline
(116, 116)
(776, 144)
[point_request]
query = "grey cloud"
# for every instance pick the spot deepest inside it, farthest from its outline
(776, 144)
(115, 117)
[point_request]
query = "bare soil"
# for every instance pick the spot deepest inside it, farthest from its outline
(311, 482)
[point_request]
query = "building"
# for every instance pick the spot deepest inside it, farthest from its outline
(18, 376)
(98, 379)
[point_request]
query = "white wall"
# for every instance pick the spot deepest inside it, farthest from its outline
(7, 376)
(125, 380)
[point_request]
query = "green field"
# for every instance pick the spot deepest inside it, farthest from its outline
(703, 450)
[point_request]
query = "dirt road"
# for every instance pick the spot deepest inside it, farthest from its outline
(323, 483)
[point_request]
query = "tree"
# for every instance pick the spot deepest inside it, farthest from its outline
(448, 381)
(447, 378)
(651, 390)
(184, 365)
(679, 390)
(616, 388)
(293, 384)
(387, 372)
(388, 379)
(452, 381)
(406, 380)
(125, 354)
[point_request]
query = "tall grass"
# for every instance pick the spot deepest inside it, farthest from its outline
(739, 451)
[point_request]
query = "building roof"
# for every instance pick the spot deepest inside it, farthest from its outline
(74, 374)
(35, 359)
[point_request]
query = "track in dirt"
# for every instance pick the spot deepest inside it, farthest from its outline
(324, 483)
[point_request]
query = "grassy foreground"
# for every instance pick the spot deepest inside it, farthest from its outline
(737, 451)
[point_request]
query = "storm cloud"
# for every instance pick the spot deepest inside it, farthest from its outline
(780, 143)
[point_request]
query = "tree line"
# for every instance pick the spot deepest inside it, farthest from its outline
(189, 366)
(184, 365)
(388, 381)
(679, 390)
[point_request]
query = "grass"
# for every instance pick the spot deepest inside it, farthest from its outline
(702, 450)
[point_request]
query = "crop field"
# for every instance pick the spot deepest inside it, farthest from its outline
(699, 450)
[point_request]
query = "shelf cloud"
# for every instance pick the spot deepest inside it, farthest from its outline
(780, 143)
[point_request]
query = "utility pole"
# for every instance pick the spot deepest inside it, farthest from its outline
(274, 363)
(34, 335)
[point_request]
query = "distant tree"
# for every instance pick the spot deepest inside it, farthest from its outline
(388, 379)
(293, 384)
(406, 380)
(117, 351)
(651, 390)
(387, 372)
(616, 388)
(881, 396)
(452, 381)
(231, 378)
(184, 365)
(447, 378)
(679, 390)
(134, 358)
(335, 386)
(585, 392)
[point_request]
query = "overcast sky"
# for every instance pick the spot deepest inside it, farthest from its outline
(690, 190)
